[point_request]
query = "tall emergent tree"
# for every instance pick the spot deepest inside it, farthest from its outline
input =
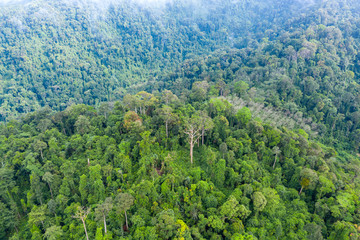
(122, 203)
(103, 210)
(166, 113)
(49, 178)
(82, 214)
(309, 178)
(193, 130)
(206, 124)
(276, 151)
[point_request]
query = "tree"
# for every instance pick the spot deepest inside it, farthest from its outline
(206, 124)
(36, 187)
(344, 230)
(82, 214)
(219, 173)
(99, 235)
(166, 224)
(325, 186)
(238, 236)
(52, 206)
(199, 91)
(221, 85)
(243, 116)
(103, 210)
(240, 88)
(6, 182)
(132, 121)
(38, 215)
(40, 146)
(131, 102)
(219, 106)
(53, 233)
(83, 188)
(308, 179)
(192, 130)
(314, 231)
(168, 97)
(96, 183)
(166, 113)
(276, 150)
(231, 209)
(82, 125)
(146, 100)
(259, 201)
(223, 148)
(9, 220)
(44, 125)
(49, 178)
(122, 203)
(104, 109)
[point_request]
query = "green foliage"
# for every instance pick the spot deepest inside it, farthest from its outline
(243, 116)
(131, 183)
(259, 201)
(277, 113)
(166, 224)
(60, 56)
(53, 233)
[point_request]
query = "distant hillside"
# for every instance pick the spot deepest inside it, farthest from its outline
(55, 53)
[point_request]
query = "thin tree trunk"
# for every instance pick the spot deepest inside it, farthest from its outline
(126, 221)
(191, 150)
(202, 135)
(87, 237)
(274, 162)
(42, 157)
(301, 190)
(105, 225)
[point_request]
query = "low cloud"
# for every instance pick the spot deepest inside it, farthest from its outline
(13, 2)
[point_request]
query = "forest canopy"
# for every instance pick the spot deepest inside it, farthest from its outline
(222, 119)
(155, 167)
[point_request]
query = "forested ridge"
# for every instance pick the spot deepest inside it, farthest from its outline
(56, 53)
(179, 120)
(154, 167)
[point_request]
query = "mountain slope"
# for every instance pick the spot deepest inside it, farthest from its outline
(248, 180)
(63, 52)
